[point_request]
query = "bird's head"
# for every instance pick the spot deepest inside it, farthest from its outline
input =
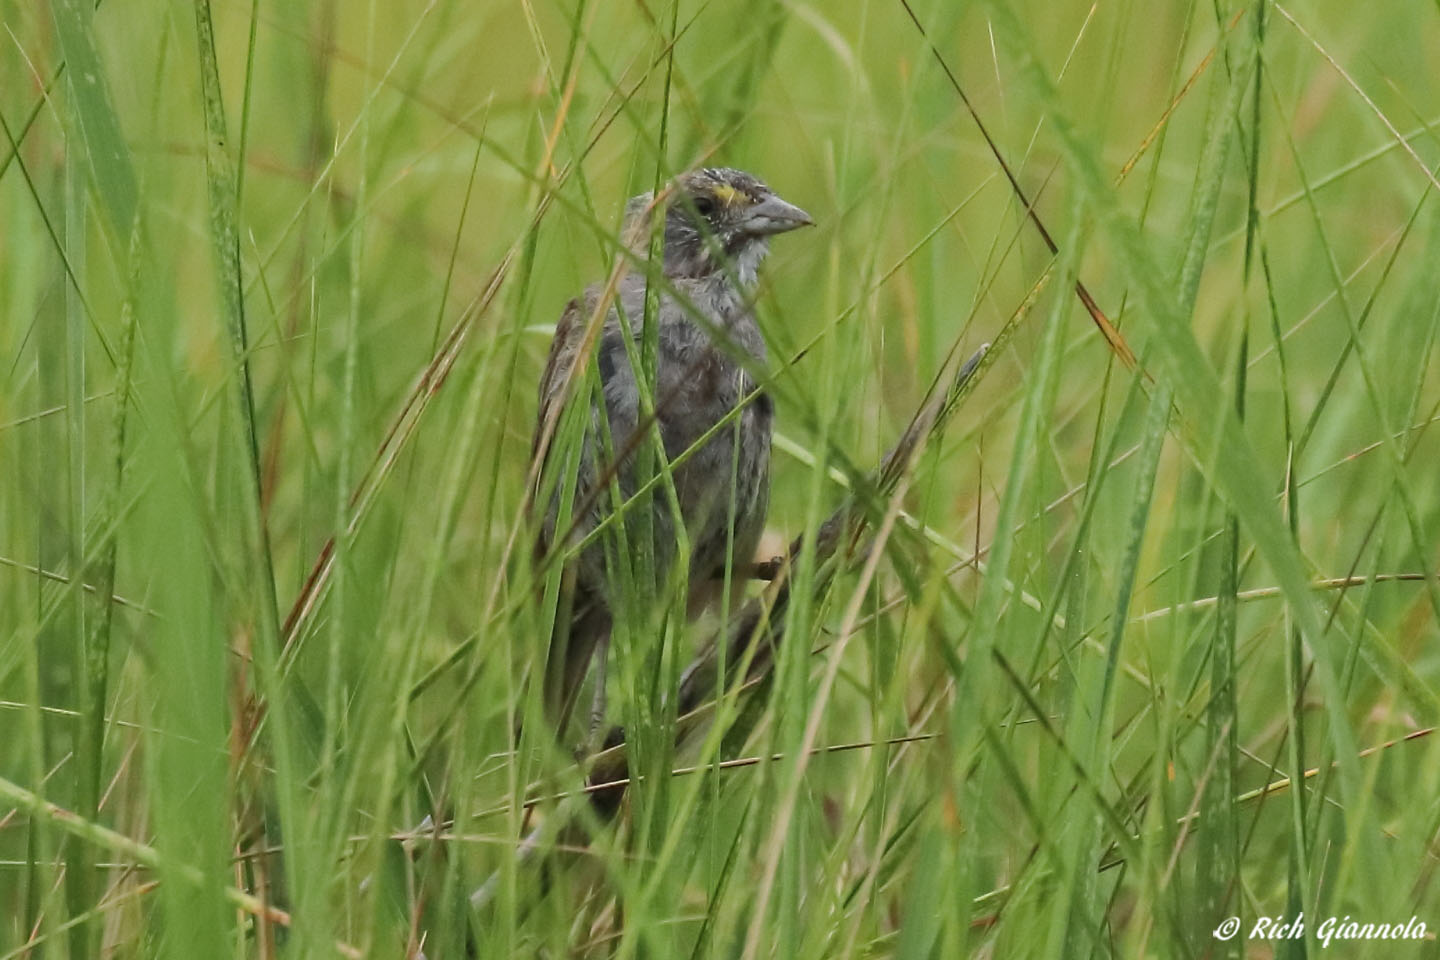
(718, 219)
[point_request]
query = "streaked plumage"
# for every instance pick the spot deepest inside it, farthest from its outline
(717, 228)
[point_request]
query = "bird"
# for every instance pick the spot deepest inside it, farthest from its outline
(716, 224)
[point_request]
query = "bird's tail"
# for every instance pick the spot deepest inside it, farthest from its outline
(582, 625)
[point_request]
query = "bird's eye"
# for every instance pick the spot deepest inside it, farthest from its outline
(704, 206)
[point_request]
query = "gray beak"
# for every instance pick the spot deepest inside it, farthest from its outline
(773, 215)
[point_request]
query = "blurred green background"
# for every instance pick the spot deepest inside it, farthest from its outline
(1104, 694)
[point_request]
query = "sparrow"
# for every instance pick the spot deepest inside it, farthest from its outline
(717, 224)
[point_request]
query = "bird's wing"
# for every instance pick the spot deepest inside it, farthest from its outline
(570, 648)
(609, 352)
(569, 330)
(582, 620)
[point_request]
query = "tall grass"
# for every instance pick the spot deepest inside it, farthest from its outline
(1117, 651)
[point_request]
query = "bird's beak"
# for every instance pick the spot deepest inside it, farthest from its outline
(773, 215)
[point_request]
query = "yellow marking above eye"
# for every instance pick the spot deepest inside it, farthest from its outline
(727, 195)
